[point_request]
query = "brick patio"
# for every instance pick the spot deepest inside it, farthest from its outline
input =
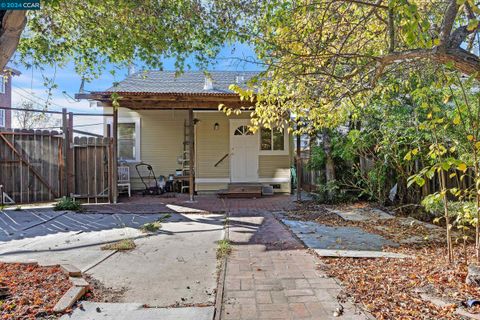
(179, 203)
(271, 276)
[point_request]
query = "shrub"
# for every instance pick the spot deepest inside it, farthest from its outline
(67, 204)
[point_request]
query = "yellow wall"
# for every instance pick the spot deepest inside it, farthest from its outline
(212, 145)
(162, 135)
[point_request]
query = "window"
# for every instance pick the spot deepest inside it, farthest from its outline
(2, 84)
(243, 131)
(2, 118)
(272, 142)
(127, 141)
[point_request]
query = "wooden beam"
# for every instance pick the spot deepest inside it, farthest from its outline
(191, 137)
(162, 105)
(114, 155)
(70, 160)
(299, 168)
(110, 163)
(65, 152)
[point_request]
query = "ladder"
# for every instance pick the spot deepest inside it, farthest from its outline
(186, 156)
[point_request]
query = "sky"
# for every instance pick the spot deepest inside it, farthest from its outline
(29, 85)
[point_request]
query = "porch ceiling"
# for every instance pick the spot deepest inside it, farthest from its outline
(153, 101)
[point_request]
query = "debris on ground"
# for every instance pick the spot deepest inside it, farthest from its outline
(28, 291)
(423, 287)
(151, 227)
(100, 293)
(122, 245)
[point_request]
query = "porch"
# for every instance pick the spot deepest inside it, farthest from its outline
(174, 125)
(204, 203)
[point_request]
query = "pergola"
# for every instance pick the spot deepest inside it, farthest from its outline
(165, 101)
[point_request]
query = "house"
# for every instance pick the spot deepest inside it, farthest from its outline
(6, 97)
(158, 111)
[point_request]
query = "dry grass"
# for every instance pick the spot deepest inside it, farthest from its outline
(122, 245)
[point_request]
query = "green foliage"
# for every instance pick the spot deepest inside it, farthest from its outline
(96, 34)
(151, 227)
(333, 192)
(67, 203)
(224, 248)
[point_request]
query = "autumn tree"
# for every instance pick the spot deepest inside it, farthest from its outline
(320, 54)
(94, 33)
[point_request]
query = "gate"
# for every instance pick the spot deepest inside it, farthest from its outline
(31, 164)
(40, 165)
(91, 167)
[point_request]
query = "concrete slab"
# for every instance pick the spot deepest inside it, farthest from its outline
(317, 236)
(176, 267)
(359, 254)
(361, 214)
(349, 215)
(134, 311)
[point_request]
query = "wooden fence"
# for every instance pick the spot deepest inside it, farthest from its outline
(37, 166)
(92, 166)
(31, 164)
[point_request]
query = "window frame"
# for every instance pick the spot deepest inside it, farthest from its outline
(138, 138)
(3, 85)
(286, 144)
(3, 118)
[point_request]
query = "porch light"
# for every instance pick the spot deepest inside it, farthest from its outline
(216, 126)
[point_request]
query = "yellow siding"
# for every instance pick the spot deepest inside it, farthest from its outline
(273, 166)
(212, 145)
(205, 187)
(162, 142)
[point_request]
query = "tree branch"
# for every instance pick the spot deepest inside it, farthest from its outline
(13, 23)
(448, 21)
(463, 60)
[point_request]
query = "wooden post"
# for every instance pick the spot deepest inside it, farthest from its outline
(64, 191)
(299, 167)
(114, 155)
(110, 163)
(69, 165)
(191, 137)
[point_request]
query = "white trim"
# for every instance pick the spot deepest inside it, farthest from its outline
(227, 180)
(212, 180)
(3, 117)
(286, 146)
(233, 125)
(3, 84)
(274, 180)
(138, 136)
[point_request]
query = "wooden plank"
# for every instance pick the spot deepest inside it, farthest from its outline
(69, 164)
(191, 165)
(114, 173)
(110, 166)
(299, 168)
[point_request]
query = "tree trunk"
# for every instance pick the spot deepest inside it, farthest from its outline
(13, 22)
(329, 163)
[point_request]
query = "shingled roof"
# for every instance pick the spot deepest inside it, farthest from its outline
(167, 82)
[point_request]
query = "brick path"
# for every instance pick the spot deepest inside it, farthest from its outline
(271, 276)
(180, 204)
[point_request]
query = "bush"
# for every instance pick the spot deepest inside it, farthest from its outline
(67, 204)
(332, 193)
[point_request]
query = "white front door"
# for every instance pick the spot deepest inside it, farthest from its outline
(243, 152)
